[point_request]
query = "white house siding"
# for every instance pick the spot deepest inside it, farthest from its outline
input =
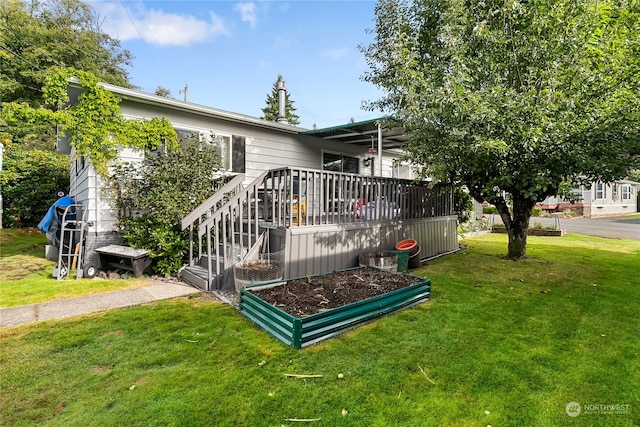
(606, 200)
(599, 200)
(265, 148)
(87, 188)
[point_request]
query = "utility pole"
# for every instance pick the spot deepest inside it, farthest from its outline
(186, 92)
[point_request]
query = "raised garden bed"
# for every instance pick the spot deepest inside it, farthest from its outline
(306, 310)
(534, 231)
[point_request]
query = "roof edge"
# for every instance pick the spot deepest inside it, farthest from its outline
(152, 99)
(347, 125)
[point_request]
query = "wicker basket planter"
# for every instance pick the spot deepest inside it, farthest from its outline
(302, 331)
(249, 273)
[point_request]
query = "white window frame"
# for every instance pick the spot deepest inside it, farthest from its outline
(627, 192)
(600, 192)
(226, 151)
(207, 136)
(403, 170)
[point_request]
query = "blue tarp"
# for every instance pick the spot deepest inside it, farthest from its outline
(49, 223)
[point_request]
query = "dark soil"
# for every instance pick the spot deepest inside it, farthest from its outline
(307, 296)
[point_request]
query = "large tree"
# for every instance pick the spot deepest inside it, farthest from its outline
(513, 99)
(37, 35)
(271, 111)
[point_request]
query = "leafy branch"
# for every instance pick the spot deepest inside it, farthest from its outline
(94, 123)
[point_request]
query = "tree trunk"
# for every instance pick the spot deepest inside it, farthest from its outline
(517, 225)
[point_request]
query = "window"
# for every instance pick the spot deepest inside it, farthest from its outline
(80, 164)
(627, 192)
(340, 163)
(614, 191)
(230, 148)
(223, 146)
(402, 170)
(601, 191)
(185, 135)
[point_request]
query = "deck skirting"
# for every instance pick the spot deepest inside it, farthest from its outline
(326, 248)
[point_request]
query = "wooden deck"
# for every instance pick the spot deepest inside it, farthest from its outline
(315, 221)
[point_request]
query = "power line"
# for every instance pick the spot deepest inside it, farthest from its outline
(6, 27)
(6, 49)
(144, 42)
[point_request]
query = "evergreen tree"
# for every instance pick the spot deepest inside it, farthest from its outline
(271, 110)
(163, 91)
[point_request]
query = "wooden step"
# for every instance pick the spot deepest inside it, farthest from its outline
(197, 276)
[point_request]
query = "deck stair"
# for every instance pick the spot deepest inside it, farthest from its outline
(223, 230)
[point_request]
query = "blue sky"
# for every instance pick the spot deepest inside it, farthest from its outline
(230, 53)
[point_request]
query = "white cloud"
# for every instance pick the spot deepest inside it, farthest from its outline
(157, 27)
(248, 13)
(336, 53)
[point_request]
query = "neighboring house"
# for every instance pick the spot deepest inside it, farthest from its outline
(599, 199)
(324, 195)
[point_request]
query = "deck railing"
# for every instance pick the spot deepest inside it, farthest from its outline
(297, 197)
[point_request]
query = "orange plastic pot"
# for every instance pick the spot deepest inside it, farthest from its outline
(406, 245)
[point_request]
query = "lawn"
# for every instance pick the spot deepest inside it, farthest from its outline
(502, 343)
(26, 275)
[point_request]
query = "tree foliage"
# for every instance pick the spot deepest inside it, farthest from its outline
(93, 123)
(162, 91)
(270, 112)
(514, 99)
(38, 35)
(29, 181)
(153, 197)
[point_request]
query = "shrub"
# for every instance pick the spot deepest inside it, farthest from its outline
(167, 244)
(489, 210)
(536, 212)
(153, 197)
(539, 225)
(30, 180)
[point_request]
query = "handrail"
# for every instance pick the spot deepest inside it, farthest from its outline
(232, 185)
(227, 228)
(239, 196)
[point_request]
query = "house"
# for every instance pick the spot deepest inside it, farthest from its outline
(599, 199)
(322, 196)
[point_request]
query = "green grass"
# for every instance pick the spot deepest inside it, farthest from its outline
(26, 275)
(502, 343)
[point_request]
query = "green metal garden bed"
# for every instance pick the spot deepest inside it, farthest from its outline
(303, 331)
